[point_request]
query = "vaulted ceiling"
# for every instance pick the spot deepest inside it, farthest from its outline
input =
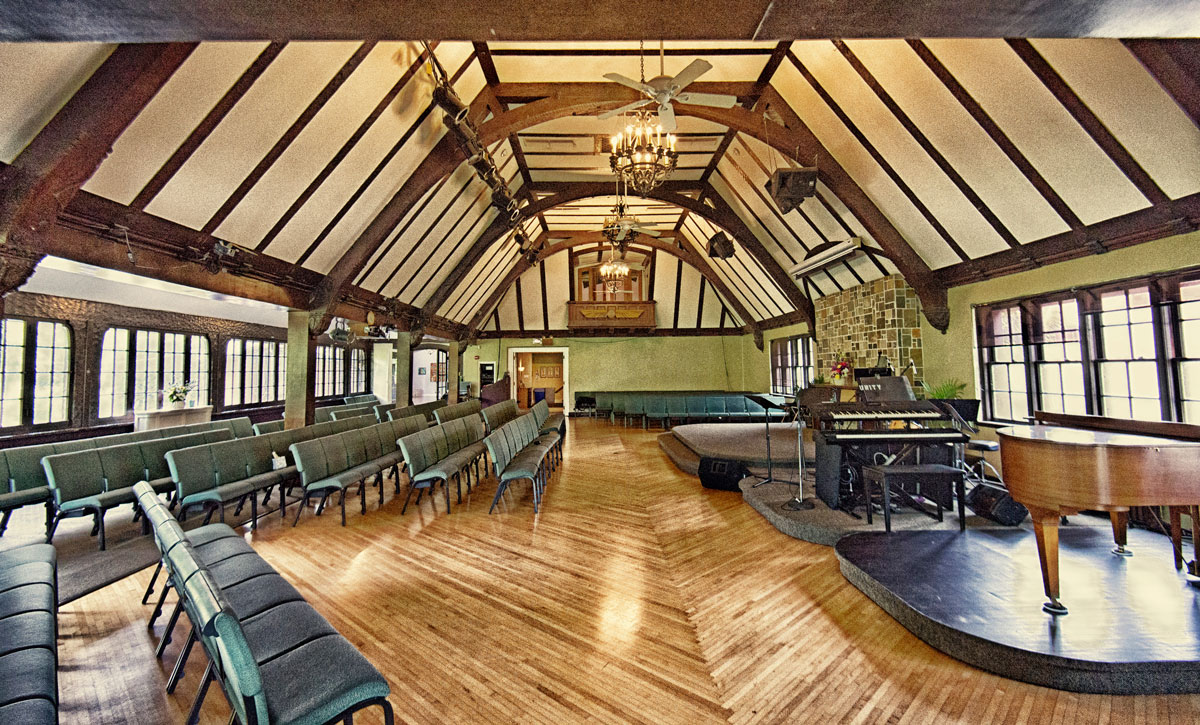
(328, 168)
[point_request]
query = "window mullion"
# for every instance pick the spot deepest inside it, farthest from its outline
(1160, 323)
(28, 373)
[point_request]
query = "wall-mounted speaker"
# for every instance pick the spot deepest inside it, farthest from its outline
(790, 187)
(720, 246)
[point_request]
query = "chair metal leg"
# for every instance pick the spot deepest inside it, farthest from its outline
(253, 511)
(150, 586)
(342, 501)
(100, 526)
(362, 495)
(446, 488)
(411, 486)
(499, 492)
(300, 509)
(4, 521)
(181, 662)
(194, 715)
(50, 522)
(53, 527)
(166, 635)
(324, 499)
(158, 607)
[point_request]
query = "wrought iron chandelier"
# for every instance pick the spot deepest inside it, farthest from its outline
(614, 272)
(642, 156)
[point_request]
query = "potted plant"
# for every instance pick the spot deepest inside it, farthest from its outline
(176, 395)
(950, 391)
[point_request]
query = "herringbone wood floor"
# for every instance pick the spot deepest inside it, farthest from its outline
(636, 596)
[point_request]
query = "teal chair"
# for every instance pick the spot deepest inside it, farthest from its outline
(696, 409)
(603, 405)
(655, 409)
(635, 407)
(676, 408)
(618, 406)
(715, 406)
(735, 407)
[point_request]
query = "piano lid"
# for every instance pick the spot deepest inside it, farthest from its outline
(1083, 437)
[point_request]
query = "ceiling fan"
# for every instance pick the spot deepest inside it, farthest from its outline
(664, 89)
(619, 227)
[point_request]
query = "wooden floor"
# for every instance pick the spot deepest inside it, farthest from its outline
(635, 596)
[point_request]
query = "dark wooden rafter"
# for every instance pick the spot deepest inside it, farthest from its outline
(798, 142)
(1175, 64)
(930, 218)
(1084, 116)
(206, 126)
(995, 133)
(346, 148)
(746, 280)
(310, 112)
(919, 136)
(104, 20)
(1178, 216)
(49, 172)
(571, 240)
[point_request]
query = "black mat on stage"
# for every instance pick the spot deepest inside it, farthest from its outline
(1133, 626)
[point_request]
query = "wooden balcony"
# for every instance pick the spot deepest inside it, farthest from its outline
(610, 315)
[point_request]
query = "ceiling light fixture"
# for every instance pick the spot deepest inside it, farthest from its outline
(641, 156)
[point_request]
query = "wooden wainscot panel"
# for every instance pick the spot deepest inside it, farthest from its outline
(610, 314)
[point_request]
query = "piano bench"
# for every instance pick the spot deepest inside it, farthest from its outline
(978, 444)
(938, 483)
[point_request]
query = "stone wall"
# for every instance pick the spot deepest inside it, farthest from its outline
(879, 316)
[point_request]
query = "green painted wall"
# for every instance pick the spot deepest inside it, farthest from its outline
(727, 362)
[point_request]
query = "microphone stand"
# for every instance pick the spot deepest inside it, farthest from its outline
(798, 502)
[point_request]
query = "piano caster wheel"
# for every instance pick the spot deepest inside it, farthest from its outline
(1054, 607)
(1122, 551)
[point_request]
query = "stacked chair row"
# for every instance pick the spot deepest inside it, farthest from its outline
(458, 410)
(335, 463)
(29, 635)
(549, 422)
(361, 418)
(355, 411)
(519, 452)
(275, 658)
(681, 407)
(443, 453)
(425, 409)
(23, 480)
(330, 412)
(500, 414)
(93, 481)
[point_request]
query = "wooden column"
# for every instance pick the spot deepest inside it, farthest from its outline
(301, 367)
(403, 368)
(453, 363)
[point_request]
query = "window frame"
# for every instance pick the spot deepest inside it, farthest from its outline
(235, 376)
(29, 374)
(800, 352)
(186, 357)
(1167, 341)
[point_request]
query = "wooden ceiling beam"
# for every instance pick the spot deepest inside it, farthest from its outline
(1175, 64)
(1178, 216)
(1091, 124)
(567, 20)
(49, 172)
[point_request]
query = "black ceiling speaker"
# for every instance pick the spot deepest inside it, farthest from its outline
(790, 187)
(720, 246)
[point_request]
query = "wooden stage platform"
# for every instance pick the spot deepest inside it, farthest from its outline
(1133, 627)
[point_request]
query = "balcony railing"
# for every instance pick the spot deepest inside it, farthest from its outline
(610, 314)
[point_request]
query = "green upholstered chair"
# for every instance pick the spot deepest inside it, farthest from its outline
(655, 409)
(696, 407)
(635, 407)
(603, 405)
(676, 407)
(714, 406)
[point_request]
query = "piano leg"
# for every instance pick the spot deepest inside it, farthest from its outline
(1045, 528)
(1177, 535)
(1120, 526)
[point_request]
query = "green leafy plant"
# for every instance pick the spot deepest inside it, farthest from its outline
(178, 392)
(819, 380)
(950, 389)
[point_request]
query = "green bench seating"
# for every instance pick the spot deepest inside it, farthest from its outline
(326, 413)
(500, 413)
(458, 410)
(276, 659)
(353, 412)
(364, 399)
(548, 422)
(269, 426)
(93, 481)
(337, 462)
(425, 409)
(441, 453)
(670, 407)
(23, 480)
(518, 453)
(29, 635)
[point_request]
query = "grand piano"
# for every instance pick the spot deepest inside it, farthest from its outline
(1057, 470)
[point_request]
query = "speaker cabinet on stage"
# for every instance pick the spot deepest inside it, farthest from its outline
(995, 504)
(721, 474)
(790, 187)
(720, 246)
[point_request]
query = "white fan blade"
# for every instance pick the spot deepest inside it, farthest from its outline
(626, 81)
(622, 109)
(666, 117)
(624, 232)
(694, 70)
(716, 100)
(643, 230)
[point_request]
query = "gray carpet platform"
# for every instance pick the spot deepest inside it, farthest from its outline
(1133, 626)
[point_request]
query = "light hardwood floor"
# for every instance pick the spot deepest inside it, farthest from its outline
(635, 596)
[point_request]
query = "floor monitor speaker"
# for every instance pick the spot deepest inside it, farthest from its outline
(721, 474)
(995, 504)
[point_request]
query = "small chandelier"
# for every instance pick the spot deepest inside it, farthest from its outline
(614, 272)
(640, 157)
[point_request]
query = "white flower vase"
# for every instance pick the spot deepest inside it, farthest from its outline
(176, 404)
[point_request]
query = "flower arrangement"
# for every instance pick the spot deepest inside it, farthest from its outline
(178, 392)
(842, 367)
